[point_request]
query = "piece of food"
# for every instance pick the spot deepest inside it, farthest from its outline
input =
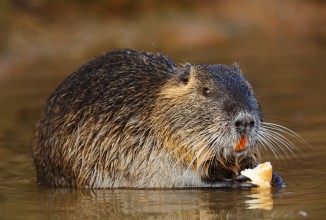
(241, 145)
(260, 175)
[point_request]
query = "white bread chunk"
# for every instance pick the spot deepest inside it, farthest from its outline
(260, 175)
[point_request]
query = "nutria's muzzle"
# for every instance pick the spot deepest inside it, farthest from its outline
(244, 122)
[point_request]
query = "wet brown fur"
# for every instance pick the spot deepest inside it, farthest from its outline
(114, 123)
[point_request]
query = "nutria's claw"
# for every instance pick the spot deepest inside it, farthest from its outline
(277, 181)
(242, 178)
(240, 182)
(241, 185)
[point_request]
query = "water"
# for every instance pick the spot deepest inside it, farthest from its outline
(289, 80)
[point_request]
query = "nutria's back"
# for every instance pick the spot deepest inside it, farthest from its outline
(136, 119)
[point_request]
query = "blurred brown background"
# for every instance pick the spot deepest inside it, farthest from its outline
(71, 31)
(280, 45)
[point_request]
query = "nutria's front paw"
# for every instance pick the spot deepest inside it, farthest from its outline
(240, 182)
(277, 181)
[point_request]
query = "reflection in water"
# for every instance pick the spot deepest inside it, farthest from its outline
(202, 204)
(260, 199)
(65, 203)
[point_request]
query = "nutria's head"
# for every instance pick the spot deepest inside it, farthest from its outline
(208, 114)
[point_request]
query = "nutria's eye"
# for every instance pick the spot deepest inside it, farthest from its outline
(207, 92)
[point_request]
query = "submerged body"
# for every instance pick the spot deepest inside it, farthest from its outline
(135, 119)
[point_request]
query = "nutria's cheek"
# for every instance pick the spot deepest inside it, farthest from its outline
(203, 158)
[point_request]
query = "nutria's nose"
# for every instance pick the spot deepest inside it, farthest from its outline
(244, 124)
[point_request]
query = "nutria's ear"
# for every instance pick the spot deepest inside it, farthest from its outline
(184, 73)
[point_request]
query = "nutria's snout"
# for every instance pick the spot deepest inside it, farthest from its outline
(245, 127)
(244, 123)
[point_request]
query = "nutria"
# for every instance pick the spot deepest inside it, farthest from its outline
(136, 119)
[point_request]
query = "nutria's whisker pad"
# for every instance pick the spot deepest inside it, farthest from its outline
(136, 119)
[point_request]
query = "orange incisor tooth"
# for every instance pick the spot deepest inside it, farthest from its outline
(241, 144)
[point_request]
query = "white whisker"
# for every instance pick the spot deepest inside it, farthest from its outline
(276, 137)
(266, 145)
(284, 130)
(276, 145)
